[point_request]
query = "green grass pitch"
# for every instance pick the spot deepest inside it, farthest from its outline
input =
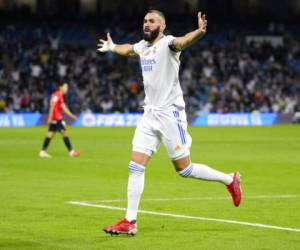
(34, 192)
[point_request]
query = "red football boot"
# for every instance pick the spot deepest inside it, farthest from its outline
(235, 189)
(122, 227)
(74, 153)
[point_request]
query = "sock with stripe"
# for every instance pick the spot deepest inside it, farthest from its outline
(135, 189)
(203, 172)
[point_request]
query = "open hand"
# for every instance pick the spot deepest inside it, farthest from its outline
(108, 45)
(202, 22)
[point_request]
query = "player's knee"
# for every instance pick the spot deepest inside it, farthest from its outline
(136, 168)
(50, 135)
(181, 163)
(140, 157)
(186, 172)
(64, 133)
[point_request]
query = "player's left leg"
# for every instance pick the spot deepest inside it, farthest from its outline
(186, 168)
(63, 130)
(178, 143)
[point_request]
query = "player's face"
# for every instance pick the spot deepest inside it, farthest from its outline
(64, 88)
(152, 27)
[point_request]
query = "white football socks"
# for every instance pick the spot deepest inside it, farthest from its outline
(135, 189)
(203, 172)
(137, 178)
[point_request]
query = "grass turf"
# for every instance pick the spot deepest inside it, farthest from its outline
(34, 192)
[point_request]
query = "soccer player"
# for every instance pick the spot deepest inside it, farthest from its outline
(164, 119)
(56, 122)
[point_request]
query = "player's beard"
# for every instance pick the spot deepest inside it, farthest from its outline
(150, 37)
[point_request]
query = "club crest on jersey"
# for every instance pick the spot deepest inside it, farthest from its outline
(145, 51)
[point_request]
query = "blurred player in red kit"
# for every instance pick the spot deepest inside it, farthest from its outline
(56, 122)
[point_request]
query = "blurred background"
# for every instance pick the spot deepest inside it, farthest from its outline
(248, 61)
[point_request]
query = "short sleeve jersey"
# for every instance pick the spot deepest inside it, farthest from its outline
(160, 69)
(57, 100)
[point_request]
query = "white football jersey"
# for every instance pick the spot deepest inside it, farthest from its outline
(160, 68)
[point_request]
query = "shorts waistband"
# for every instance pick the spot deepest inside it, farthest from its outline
(162, 109)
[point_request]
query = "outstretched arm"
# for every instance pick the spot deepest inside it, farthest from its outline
(68, 112)
(180, 43)
(121, 49)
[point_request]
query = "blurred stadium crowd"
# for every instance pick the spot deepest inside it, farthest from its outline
(222, 73)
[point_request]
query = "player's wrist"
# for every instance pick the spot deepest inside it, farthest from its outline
(112, 46)
(199, 32)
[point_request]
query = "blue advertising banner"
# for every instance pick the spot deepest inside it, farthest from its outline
(235, 119)
(19, 120)
(132, 119)
(107, 120)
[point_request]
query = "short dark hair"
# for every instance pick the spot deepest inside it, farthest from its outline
(60, 84)
(158, 12)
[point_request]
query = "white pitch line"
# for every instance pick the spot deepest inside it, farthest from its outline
(283, 196)
(81, 203)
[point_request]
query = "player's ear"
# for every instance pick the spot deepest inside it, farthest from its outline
(162, 27)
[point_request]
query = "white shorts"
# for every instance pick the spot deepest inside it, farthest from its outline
(170, 127)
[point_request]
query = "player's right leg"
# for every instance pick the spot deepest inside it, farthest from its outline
(51, 131)
(145, 143)
(63, 130)
(135, 189)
